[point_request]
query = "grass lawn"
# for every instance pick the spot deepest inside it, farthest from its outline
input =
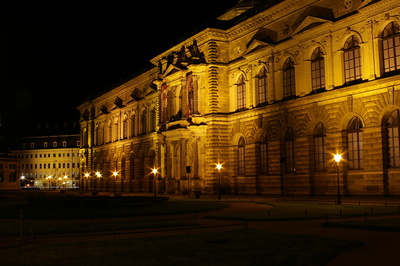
(295, 211)
(55, 219)
(386, 224)
(240, 247)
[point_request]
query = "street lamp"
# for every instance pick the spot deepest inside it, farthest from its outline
(65, 182)
(219, 167)
(155, 171)
(48, 178)
(98, 175)
(115, 173)
(338, 158)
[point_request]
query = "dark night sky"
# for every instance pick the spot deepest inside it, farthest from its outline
(56, 54)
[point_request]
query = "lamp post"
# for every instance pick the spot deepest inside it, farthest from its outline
(49, 179)
(115, 182)
(66, 182)
(98, 175)
(155, 171)
(338, 158)
(219, 167)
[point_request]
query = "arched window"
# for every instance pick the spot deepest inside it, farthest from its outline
(125, 128)
(355, 143)
(319, 147)
(133, 125)
(262, 86)
(317, 70)
(289, 151)
(143, 122)
(393, 139)
(132, 166)
(391, 47)
(241, 156)
(263, 153)
(289, 89)
(352, 59)
(241, 93)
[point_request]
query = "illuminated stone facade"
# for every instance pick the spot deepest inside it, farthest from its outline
(49, 160)
(272, 96)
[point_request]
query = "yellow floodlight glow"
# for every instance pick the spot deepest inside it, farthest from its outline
(337, 157)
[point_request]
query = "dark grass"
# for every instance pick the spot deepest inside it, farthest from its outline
(301, 211)
(241, 247)
(386, 224)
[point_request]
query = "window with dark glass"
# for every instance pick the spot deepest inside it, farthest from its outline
(317, 70)
(264, 153)
(262, 86)
(289, 151)
(352, 59)
(355, 144)
(391, 47)
(241, 156)
(241, 93)
(319, 147)
(289, 89)
(393, 139)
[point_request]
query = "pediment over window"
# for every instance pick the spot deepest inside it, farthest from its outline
(171, 70)
(256, 45)
(308, 23)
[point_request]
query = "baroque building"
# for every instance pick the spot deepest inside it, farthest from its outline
(272, 91)
(49, 158)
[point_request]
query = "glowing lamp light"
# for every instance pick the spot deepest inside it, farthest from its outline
(219, 166)
(115, 174)
(87, 175)
(337, 157)
(154, 171)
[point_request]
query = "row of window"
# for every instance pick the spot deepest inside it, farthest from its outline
(44, 155)
(10, 166)
(48, 166)
(354, 141)
(351, 63)
(46, 144)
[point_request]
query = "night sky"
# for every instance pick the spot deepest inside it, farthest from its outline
(56, 54)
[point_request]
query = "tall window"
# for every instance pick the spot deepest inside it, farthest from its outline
(317, 70)
(391, 47)
(352, 59)
(241, 156)
(241, 93)
(355, 144)
(263, 153)
(319, 147)
(289, 151)
(143, 124)
(289, 89)
(262, 86)
(393, 139)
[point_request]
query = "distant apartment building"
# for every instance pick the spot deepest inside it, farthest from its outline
(49, 160)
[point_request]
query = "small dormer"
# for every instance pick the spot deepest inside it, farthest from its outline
(104, 109)
(118, 102)
(137, 94)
